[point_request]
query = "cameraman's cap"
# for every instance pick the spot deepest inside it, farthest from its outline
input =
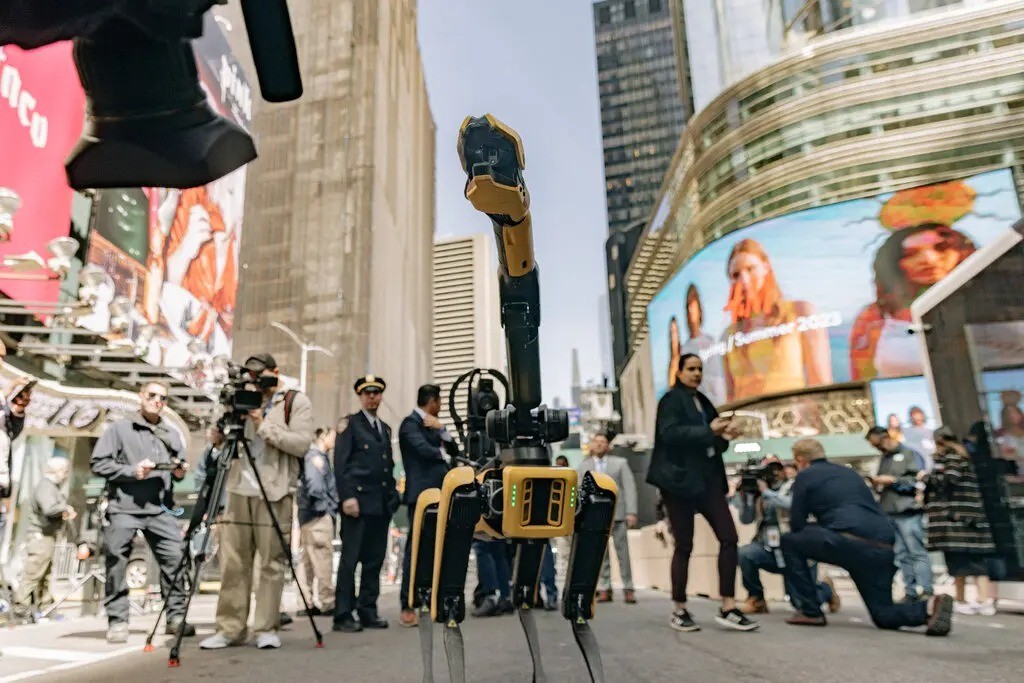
(260, 362)
(370, 382)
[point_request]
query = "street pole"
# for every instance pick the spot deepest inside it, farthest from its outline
(305, 347)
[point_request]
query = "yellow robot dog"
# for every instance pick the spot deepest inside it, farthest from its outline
(518, 495)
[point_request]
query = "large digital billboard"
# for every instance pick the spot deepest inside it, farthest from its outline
(823, 295)
(173, 254)
(41, 113)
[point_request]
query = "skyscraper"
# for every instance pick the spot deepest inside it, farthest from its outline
(645, 99)
(467, 318)
(340, 207)
(645, 94)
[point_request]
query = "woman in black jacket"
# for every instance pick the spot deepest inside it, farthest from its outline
(688, 469)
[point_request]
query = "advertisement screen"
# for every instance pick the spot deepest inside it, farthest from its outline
(41, 113)
(173, 254)
(823, 295)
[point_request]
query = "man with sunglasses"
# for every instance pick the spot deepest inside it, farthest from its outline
(141, 498)
(364, 466)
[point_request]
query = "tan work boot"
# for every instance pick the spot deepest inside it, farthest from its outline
(754, 606)
(835, 603)
(409, 618)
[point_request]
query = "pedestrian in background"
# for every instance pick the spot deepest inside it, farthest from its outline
(48, 513)
(427, 451)
(617, 468)
(317, 502)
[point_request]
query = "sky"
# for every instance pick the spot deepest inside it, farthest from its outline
(532, 64)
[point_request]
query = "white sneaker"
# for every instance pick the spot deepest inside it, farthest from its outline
(987, 609)
(214, 642)
(267, 641)
(966, 608)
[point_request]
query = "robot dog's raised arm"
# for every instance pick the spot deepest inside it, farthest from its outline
(492, 156)
(522, 499)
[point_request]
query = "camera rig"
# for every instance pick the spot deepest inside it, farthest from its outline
(512, 491)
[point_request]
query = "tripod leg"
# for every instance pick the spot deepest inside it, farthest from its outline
(594, 518)
(285, 546)
(457, 516)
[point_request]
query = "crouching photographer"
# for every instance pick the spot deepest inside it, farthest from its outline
(765, 495)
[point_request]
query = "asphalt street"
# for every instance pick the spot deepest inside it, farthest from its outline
(637, 646)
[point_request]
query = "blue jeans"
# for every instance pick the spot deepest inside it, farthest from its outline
(492, 567)
(754, 557)
(912, 555)
(547, 575)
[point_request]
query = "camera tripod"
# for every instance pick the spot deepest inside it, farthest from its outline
(208, 505)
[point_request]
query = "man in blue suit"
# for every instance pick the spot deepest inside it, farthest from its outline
(427, 450)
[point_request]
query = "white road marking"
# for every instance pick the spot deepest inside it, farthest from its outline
(72, 659)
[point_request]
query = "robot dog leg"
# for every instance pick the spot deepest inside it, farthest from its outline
(594, 517)
(421, 569)
(458, 512)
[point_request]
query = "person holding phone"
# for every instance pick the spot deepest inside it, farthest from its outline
(687, 467)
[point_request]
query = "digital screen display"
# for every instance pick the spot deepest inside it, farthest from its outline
(822, 296)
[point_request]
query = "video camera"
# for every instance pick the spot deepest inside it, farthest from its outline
(241, 391)
(754, 471)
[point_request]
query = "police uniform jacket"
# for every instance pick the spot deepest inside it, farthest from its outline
(364, 466)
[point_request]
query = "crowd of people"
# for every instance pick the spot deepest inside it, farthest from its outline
(339, 481)
(819, 512)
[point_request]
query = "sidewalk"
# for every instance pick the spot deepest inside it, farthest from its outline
(70, 641)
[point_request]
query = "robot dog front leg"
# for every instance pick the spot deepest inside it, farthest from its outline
(458, 511)
(594, 516)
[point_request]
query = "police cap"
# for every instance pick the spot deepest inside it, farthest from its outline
(370, 382)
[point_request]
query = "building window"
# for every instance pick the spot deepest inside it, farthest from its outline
(604, 15)
(630, 9)
(654, 6)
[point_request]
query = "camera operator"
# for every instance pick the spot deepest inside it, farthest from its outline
(427, 450)
(688, 469)
(141, 499)
(766, 495)
(279, 434)
(851, 532)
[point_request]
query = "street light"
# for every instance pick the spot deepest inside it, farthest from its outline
(306, 348)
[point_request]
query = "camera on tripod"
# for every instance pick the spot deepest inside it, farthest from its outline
(756, 470)
(241, 390)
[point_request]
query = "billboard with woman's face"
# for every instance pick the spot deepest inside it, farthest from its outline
(823, 295)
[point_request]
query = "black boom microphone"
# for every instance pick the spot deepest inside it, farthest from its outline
(273, 49)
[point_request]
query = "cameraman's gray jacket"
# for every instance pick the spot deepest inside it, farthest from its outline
(284, 447)
(121, 448)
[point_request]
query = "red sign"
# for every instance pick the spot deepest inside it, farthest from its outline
(42, 108)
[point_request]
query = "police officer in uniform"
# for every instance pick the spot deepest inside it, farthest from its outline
(364, 469)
